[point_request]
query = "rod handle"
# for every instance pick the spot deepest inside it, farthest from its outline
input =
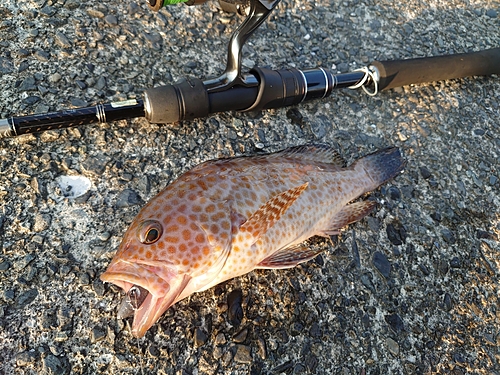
(428, 69)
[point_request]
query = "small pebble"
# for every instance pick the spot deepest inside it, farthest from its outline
(240, 336)
(42, 56)
(382, 264)
(62, 40)
(200, 337)
(48, 11)
(97, 334)
(128, 198)
(455, 262)
(54, 78)
(234, 308)
(28, 84)
(55, 365)
(311, 362)
(23, 262)
(42, 222)
(104, 236)
(282, 368)
(492, 13)
(392, 346)
(25, 358)
(95, 13)
(296, 328)
(218, 352)
(262, 352)
(220, 339)
(26, 298)
(395, 322)
(426, 174)
(448, 303)
(396, 235)
(111, 19)
(243, 354)
(448, 236)
(4, 265)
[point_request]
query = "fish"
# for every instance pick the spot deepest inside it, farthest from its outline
(227, 217)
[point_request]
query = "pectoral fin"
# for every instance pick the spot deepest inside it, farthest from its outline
(349, 214)
(289, 257)
(268, 214)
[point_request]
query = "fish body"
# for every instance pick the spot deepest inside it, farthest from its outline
(226, 217)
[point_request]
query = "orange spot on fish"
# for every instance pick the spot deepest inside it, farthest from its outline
(182, 208)
(186, 234)
(218, 216)
(206, 250)
(182, 247)
(185, 262)
(148, 254)
(196, 208)
(214, 228)
(161, 245)
(210, 208)
(182, 220)
(172, 249)
(171, 239)
(200, 238)
(172, 228)
(202, 184)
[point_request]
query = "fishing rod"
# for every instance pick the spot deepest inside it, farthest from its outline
(260, 88)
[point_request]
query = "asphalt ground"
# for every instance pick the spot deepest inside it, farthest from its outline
(412, 289)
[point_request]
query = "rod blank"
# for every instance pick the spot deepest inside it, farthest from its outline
(429, 69)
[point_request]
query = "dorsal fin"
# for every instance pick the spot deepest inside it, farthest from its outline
(315, 152)
(268, 214)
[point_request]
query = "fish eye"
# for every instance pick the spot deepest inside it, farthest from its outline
(150, 232)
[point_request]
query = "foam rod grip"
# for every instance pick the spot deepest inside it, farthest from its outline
(428, 69)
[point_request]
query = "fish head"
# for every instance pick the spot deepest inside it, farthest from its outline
(162, 259)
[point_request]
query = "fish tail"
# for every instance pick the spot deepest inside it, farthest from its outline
(383, 165)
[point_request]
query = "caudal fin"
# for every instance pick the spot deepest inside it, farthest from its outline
(383, 165)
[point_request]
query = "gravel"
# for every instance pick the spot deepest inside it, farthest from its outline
(412, 289)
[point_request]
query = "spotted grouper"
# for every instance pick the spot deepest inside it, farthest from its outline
(227, 217)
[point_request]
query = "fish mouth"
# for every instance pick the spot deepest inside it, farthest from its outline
(159, 288)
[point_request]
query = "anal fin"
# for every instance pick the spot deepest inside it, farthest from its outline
(349, 214)
(289, 257)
